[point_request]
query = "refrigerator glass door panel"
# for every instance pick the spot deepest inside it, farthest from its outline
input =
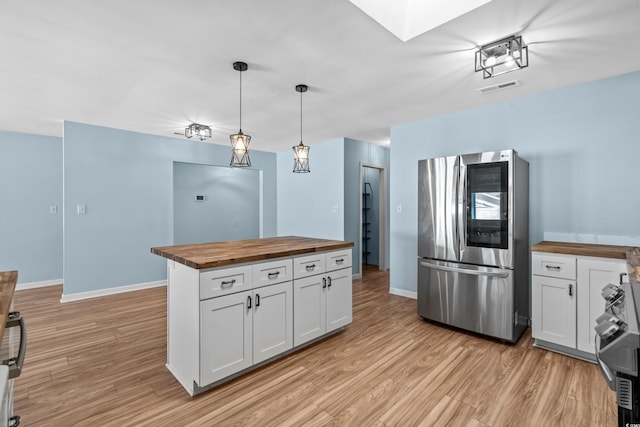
(437, 208)
(470, 297)
(485, 203)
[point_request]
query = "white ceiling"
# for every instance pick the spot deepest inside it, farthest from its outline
(154, 66)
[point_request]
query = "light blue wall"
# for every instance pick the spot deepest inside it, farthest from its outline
(582, 143)
(230, 209)
(356, 152)
(125, 179)
(31, 183)
(312, 204)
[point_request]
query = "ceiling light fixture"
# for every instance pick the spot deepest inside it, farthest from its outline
(301, 151)
(502, 56)
(240, 141)
(195, 129)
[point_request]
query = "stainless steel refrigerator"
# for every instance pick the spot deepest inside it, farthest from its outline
(473, 244)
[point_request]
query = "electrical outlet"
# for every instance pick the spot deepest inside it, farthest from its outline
(81, 209)
(53, 209)
(399, 208)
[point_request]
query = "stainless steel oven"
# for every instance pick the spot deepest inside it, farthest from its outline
(618, 348)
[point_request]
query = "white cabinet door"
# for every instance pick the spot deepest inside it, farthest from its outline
(554, 310)
(593, 275)
(272, 321)
(225, 336)
(309, 316)
(338, 296)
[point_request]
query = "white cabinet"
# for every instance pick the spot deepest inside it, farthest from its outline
(226, 336)
(338, 295)
(225, 321)
(272, 321)
(322, 302)
(240, 330)
(566, 300)
(593, 275)
(554, 310)
(310, 309)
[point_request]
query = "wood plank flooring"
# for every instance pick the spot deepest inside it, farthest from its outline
(100, 362)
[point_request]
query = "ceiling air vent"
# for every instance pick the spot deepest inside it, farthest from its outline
(499, 86)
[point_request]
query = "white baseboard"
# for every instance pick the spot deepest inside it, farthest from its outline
(357, 276)
(34, 285)
(403, 293)
(111, 291)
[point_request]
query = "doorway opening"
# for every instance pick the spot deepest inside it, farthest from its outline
(373, 218)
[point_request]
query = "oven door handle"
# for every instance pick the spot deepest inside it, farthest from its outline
(497, 274)
(15, 363)
(609, 376)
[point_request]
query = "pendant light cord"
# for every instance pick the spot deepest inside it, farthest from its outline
(300, 116)
(240, 100)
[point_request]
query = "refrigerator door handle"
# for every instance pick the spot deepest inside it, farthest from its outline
(501, 275)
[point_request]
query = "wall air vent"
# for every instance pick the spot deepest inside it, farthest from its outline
(499, 86)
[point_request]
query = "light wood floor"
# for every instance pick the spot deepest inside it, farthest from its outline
(101, 362)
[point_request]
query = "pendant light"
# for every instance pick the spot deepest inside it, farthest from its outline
(301, 151)
(240, 141)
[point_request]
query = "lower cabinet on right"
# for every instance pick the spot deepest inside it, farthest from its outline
(322, 303)
(566, 300)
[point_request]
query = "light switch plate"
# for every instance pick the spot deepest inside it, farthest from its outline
(81, 209)
(53, 209)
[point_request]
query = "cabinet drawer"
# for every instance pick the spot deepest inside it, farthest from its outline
(338, 259)
(214, 283)
(272, 272)
(560, 266)
(308, 265)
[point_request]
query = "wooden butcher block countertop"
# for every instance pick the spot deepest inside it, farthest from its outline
(584, 249)
(217, 254)
(8, 281)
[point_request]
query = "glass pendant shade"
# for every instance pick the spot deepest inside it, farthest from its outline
(301, 158)
(240, 150)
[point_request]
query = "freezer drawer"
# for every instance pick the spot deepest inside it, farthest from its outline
(478, 299)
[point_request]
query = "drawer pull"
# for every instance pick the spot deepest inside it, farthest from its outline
(273, 275)
(310, 267)
(552, 267)
(570, 290)
(340, 261)
(621, 276)
(229, 283)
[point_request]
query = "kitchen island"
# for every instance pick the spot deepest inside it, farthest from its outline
(234, 306)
